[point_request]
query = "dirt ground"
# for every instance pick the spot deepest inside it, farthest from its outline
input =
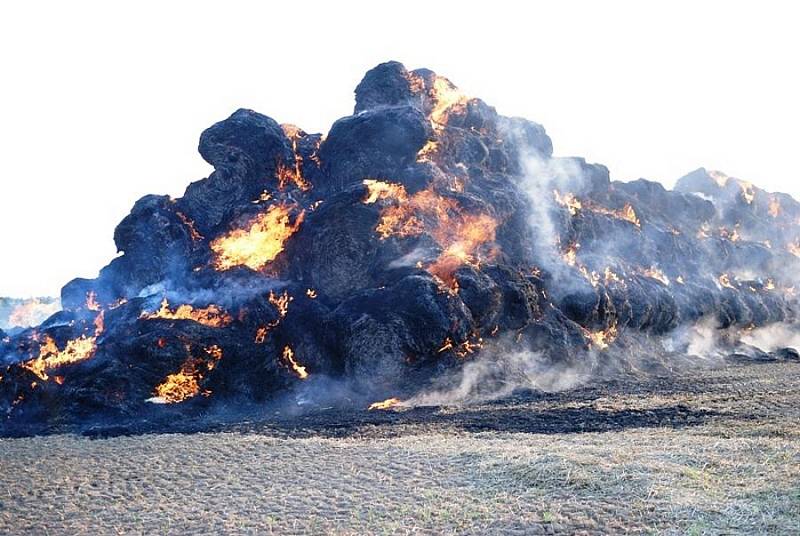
(706, 452)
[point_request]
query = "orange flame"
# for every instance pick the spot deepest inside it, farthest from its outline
(288, 358)
(51, 357)
(458, 233)
(385, 404)
(569, 201)
(655, 273)
(626, 213)
(212, 316)
(293, 175)
(280, 301)
(261, 335)
(185, 383)
(602, 339)
(311, 293)
(258, 244)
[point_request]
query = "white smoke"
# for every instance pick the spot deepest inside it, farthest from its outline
(773, 337)
(496, 374)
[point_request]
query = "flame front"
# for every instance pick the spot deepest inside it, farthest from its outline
(655, 273)
(51, 357)
(212, 316)
(258, 244)
(725, 281)
(385, 404)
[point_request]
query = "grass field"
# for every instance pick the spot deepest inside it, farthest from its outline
(708, 452)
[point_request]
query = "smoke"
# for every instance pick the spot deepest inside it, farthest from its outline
(497, 373)
(702, 339)
(773, 337)
(539, 180)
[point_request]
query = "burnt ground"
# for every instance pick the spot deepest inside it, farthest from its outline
(702, 452)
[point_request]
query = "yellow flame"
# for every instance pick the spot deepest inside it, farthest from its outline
(212, 316)
(259, 243)
(569, 201)
(602, 339)
(51, 357)
(288, 358)
(385, 404)
(185, 383)
(655, 273)
(294, 174)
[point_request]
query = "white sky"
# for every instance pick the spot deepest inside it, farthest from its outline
(100, 104)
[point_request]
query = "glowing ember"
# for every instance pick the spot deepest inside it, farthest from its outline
(769, 285)
(725, 281)
(732, 235)
(51, 357)
(385, 404)
(311, 293)
(261, 335)
(288, 359)
(609, 276)
(212, 316)
(91, 301)
(447, 345)
(428, 151)
(258, 244)
(193, 232)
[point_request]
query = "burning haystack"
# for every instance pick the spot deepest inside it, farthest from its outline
(423, 232)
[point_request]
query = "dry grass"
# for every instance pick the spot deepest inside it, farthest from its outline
(727, 475)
